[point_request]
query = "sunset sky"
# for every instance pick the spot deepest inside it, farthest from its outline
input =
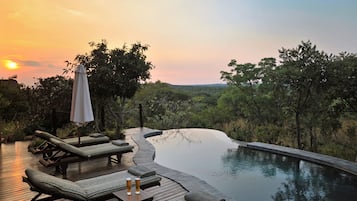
(190, 41)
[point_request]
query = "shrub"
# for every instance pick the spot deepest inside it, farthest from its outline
(238, 130)
(12, 131)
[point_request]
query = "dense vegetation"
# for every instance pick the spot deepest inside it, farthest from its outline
(114, 75)
(305, 100)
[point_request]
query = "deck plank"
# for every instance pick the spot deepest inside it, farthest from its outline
(14, 159)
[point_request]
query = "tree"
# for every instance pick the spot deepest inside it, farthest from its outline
(252, 97)
(300, 79)
(13, 103)
(164, 106)
(246, 77)
(50, 101)
(342, 78)
(114, 75)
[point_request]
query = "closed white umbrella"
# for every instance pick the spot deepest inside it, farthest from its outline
(81, 108)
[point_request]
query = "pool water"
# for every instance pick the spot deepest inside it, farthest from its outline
(249, 175)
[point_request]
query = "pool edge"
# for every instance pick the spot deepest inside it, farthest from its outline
(146, 154)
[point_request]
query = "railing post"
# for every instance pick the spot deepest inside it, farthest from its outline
(141, 116)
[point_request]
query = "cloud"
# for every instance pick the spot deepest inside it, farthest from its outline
(51, 66)
(70, 11)
(73, 12)
(29, 63)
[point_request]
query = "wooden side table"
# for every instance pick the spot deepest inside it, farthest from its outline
(143, 196)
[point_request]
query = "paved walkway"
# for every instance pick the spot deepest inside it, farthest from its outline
(146, 154)
(334, 162)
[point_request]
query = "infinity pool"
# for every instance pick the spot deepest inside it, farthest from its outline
(249, 175)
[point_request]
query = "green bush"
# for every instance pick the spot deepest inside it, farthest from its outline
(337, 150)
(68, 130)
(268, 134)
(238, 130)
(12, 131)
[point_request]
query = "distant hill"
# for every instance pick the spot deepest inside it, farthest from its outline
(209, 89)
(198, 85)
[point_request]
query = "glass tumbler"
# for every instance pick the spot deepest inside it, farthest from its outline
(137, 185)
(128, 186)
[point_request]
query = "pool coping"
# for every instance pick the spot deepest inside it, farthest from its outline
(338, 163)
(146, 154)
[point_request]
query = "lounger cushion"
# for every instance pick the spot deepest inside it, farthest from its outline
(69, 148)
(106, 184)
(141, 171)
(105, 149)
(120, 142)
(88, 189)
(93, 138)
(55, 186)
(200, 195)
(103, 185)
(87, 140)
(92, 151)
(96, 135)
(45, 135)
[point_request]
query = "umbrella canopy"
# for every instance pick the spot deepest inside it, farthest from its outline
(81, 108)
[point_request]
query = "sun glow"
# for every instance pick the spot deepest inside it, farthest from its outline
(11, 65)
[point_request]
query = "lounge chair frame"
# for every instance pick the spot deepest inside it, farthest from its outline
(46, 148)
(64, 155)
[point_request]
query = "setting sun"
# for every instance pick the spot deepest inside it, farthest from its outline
(11, 65)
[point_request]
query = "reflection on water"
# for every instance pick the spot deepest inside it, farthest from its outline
(177, 136)
(246, 174)
(300, 180)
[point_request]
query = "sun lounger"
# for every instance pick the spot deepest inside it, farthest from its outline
(67, 153)
(97, 188)
(46, 147)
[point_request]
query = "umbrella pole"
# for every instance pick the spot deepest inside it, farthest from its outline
(79, 135)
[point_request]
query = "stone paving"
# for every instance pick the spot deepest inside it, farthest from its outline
(145, 156)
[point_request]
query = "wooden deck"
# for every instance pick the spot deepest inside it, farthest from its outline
(14, 159)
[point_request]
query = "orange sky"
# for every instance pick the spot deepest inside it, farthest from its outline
(190, 41)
